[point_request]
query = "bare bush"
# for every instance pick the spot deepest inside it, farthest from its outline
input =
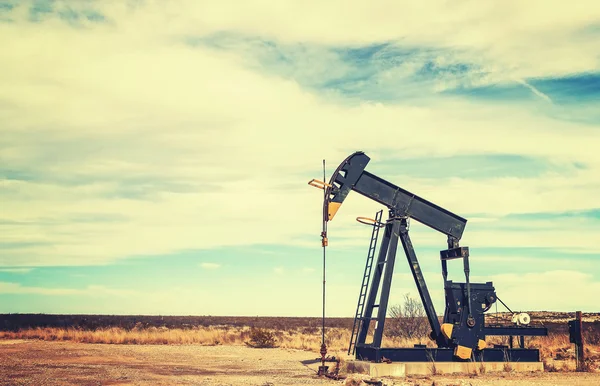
(408, 320)
(261, 338)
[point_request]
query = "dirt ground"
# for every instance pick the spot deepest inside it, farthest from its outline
(66, 363)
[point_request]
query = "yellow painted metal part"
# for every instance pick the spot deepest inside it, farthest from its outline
(369, 221)
(366, 220)
(318, 184)
(447, 330)
(462, 352)
(481, 344)
(332, 209)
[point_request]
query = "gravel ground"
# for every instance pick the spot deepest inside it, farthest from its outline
(66, 363)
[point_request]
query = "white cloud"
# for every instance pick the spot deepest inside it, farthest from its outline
(541, 291)
(16, 288)
(91, 290)
(532, 39)
(210, 265)
(16, 270)
(278, 270)
(100, 290)
(547, 291)
(129, 109)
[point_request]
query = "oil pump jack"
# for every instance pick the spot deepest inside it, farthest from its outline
(461, 335)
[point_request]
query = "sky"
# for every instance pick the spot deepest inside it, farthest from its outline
(155, 156)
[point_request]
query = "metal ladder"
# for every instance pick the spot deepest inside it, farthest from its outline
(365, 283)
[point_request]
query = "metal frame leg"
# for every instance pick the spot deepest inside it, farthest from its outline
(368, 313)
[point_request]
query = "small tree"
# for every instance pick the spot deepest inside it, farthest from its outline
(408, 320)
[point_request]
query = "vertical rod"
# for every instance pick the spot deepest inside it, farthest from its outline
(324, 246)
(324, 241)
(467, 271)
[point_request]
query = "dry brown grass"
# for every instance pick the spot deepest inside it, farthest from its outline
(152, 335)
(550, 346)
(556, 351)
(337, 339)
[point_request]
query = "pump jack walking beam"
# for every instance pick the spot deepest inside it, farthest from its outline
(351, 175)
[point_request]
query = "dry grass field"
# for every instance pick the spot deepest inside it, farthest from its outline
(292, 348)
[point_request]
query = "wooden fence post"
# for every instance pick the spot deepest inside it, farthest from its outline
(576, 336)
(579, 347)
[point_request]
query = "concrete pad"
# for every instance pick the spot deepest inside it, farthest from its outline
(402, 369)
(377, 369)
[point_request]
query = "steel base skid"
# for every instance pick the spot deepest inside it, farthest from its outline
(418, 354)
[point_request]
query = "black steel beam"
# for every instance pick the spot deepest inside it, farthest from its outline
(415, 268)
(407, 204)
(387, 283)
(454, 253)
(374, 286)
(419, 354)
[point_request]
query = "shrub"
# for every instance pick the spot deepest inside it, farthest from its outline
(261, 338)
(408, 320)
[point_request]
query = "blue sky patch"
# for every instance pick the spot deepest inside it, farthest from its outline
(591, 214)
(375, 72)
(6, 6)
(511, 93)
(388, 72)
(571, 89)
(72, 13)
(41, 8)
